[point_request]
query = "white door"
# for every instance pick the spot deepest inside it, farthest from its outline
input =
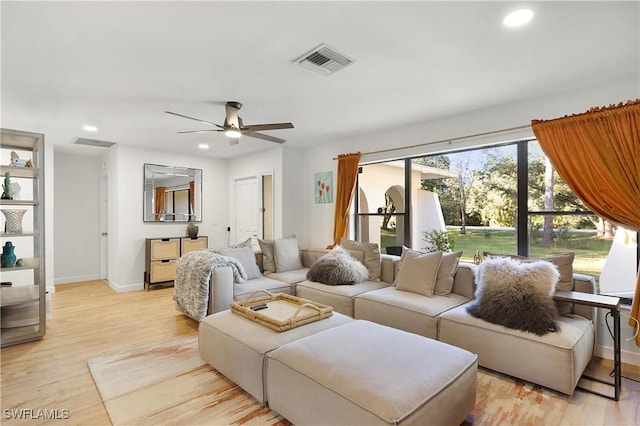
(247, 209)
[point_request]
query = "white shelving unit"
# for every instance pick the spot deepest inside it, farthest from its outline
(23, 305)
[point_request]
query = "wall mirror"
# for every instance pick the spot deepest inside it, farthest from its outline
(172, 194)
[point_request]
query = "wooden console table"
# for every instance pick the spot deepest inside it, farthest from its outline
(161, 256)
(605, 302)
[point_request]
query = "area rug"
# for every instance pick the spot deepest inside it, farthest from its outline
(168, 383)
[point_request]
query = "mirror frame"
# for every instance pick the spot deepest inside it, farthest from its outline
(175, 179)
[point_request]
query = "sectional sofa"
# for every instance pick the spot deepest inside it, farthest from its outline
(554, 360)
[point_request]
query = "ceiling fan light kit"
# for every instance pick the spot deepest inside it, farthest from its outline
(233, 127)
(232, 133)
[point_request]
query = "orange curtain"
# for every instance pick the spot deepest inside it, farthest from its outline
(597, 153)
(159, 202)
(347, 174)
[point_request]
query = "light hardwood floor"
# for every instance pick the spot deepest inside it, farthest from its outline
(89, 320)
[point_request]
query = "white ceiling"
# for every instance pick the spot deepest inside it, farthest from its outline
(119, 65)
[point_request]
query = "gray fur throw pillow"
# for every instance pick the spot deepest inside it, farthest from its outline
(516, 295)
(338, 267)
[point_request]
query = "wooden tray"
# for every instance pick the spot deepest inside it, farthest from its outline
(283, 311)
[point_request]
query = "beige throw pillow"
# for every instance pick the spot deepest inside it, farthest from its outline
(245, 256)
(268, 260)
(446, 273)
(418, 272)
(286, 253)
(371, 256)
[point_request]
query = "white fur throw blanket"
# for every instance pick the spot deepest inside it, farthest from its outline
(516, 294)
(191, 286)
(338, 267)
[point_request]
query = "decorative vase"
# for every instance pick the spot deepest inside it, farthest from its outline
(8, 257)
(192, 231)
(13, 222)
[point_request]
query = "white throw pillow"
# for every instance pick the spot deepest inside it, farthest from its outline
(418, 272)
(245, 256)
(371, 256)
(286, 254)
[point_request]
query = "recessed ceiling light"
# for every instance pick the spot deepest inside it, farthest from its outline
(203, 146)
(88, 128)
(518, 18)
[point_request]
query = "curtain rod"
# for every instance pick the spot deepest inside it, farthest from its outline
(493, 132)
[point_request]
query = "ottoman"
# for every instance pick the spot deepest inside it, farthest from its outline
(236, 346)
(363, 373)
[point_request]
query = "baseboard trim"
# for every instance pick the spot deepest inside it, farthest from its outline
(77, 279)
(628, 357)
(124, 289)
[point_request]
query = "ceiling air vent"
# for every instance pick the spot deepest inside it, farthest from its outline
(324, 60)
(93, 142)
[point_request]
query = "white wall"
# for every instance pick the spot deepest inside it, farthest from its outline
(76, 211)
(293, 188)
(127, 231)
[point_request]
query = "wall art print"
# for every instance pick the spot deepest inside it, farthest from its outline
(323, 185)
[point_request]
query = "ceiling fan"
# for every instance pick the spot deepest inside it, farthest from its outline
(233, 127)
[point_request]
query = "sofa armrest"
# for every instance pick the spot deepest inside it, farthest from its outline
(220, 289)
(389, 267)
(584, 284)
(464, 282)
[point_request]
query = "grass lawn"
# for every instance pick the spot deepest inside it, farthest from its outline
(590, 252)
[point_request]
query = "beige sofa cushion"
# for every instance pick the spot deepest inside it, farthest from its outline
(555, 360)
(404, 310)
(339, 296)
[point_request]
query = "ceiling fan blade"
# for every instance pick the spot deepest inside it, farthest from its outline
(196, 119)
(263, 136)
(200, 131)
(272, 126)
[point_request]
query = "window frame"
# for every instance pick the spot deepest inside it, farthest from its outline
(523, 213)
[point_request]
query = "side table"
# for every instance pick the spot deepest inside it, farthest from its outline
(605, 302)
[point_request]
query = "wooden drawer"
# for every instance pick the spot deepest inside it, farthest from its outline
(165, 249)
(162, 270)
(191, 245)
